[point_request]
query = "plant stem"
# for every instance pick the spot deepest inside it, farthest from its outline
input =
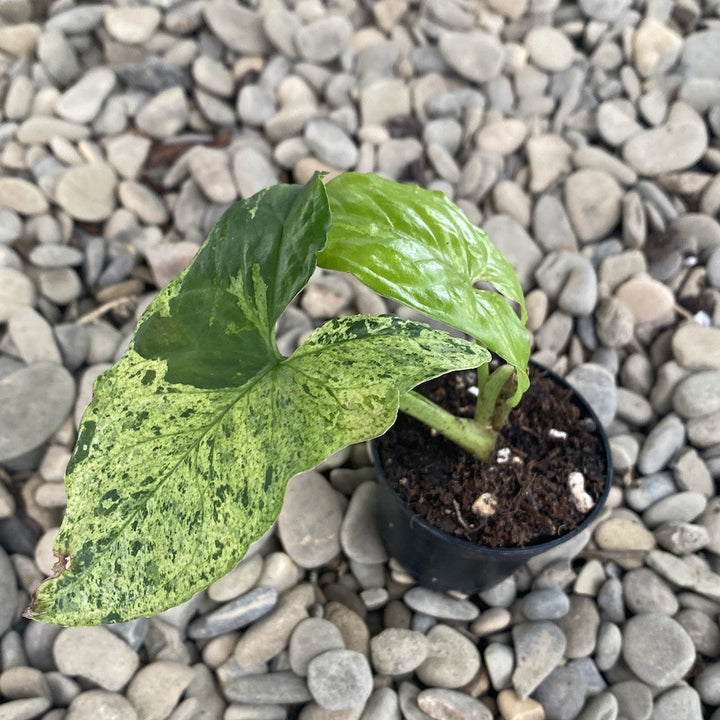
(494, 390)
(470, 435)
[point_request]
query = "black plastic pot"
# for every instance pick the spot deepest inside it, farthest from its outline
(443, 562)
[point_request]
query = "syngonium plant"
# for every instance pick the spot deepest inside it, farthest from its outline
(183, 456)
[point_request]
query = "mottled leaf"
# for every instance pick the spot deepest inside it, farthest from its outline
(169, 483)
(215, 329)
(417, 247)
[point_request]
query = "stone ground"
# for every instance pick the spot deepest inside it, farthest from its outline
(584, 137)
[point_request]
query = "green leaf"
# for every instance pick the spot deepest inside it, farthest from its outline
(416, 246)
(169, 482)
(215, 325)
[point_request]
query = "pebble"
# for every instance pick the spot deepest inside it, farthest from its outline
(539, 647)
(545, 604)
(157, 687)
(499, 663)
(450, 704)
(282, 687)
(703, 631)
(689, 572)
(16, 291)
(452, 659)
(356, 635)
(236, 614)
(609, 645)
(211, 171)
(270, 635)
(165, 114)
(132, 25)
(22, 196)
(680, 702)
(597, 385)
(87, 192)
(699, 58)
(8, 593)
(562, 693)
(439, 605)
(619, 533)
(45, 129)
(634, 699)
(26, 708)
(549, 160)
(696, 347)
(511, 238)
(513, 708)
(593, 201)
(661, 445)
(324, 39)
(679, 507)
(82, 102)
(99, 703)
(36, 400)
(359, 533)
(396, 651)
(656, 47)
(580, 626)
(657, 649)
(33, 337)
(477, 55)
(645, 592)
(95, 654)
(60, 285)
(549, 48)
(339, 679)
(657, 150)
(310, 638)
(309, 523)
(647, 299)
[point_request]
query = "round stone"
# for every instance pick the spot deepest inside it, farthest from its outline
(156, 688)
(698, 394)
(477, 56)
(8, 592)
(132, 25)
(310, 638)
(644, 591)
(614, 323)
(448, 704)
(657, 649)
(580, 625)
(539, 648)
(678, 507)
(440, 605)
(95, 654)
(656, 46)
(87, 192)
(562, 693)
(330, 144)
(309, 523)
(16, 292)
(35, 402)
(619, 533)
(238, 27)
(680, 702)
(661, 444)
(165, 114)
(549, 48)
(325, 39)
(397, 651)
(646, 298)
(545, 604)
(340, 679)
(82, 102)
(597, 385)
(676, 145)
(594, 203)
(452, 659)
(696, 347)
(100, 703)
(22, 196)
(700, 56)
(360, 534)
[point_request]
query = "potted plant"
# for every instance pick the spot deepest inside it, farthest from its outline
(183, 456)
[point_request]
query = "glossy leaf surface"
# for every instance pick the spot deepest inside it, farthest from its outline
(184, 454)
(416, 246)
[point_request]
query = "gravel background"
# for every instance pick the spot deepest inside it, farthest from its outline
(584, 137)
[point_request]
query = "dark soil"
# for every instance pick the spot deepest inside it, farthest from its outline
(440, 482)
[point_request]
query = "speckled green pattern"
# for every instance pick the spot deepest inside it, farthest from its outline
(427, 254)
(184, 454)
(169, 484)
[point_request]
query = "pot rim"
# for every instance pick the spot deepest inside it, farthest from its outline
(524, 550)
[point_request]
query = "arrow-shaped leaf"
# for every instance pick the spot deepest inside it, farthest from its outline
(184, 454)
